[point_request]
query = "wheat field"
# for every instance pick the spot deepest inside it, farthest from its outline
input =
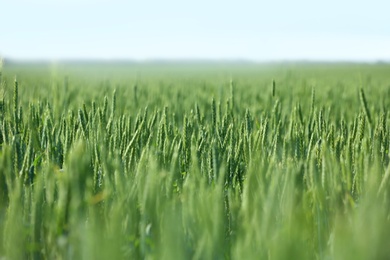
(194, 161)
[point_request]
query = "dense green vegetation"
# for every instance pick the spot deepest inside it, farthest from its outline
(238, 161)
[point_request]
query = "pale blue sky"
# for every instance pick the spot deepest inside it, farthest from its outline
(172, 29)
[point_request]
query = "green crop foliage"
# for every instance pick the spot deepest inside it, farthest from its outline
(213, 161)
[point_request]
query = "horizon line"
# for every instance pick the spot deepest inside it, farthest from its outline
(11, 60)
